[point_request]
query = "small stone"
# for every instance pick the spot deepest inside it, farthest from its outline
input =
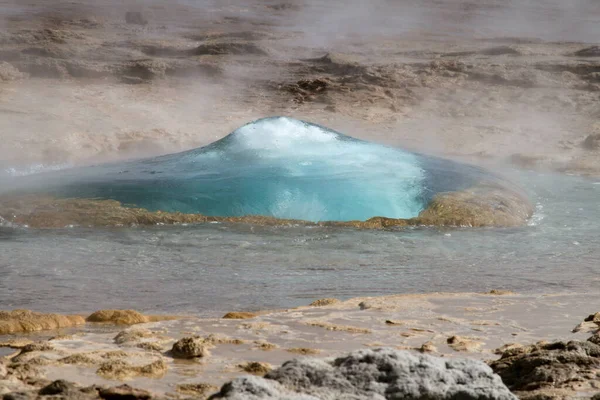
(190, 347)
(255, 367)
(500, 292)
(428, 347)
(393, 322)
(459, 343)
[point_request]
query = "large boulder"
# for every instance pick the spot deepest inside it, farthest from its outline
(550, 365)
(374, 374)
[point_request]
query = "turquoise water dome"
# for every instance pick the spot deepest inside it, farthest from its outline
(279, 167)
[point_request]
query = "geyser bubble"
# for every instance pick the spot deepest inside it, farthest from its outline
(289, 169)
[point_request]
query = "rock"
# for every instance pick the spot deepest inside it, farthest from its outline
(9, 72)
(197, 389)
(16, 343)
(239, 315)
(118, 369)
(255, 388)
(118, 317)
(428, 347)
(255, 367)
(595, 338)
(190, 347)
(394, 322)
(542, 365)
(500, 292)
(459, 343)
(324, 302)
(28, 321)
(37, 346)
(135, 18)
(592, 142)
(150, 346)
(78, 359)
(380, 373)
(132, 335)
(124, 392)
(57, 387)
(593, 317)
(477, 207)
(509, 346)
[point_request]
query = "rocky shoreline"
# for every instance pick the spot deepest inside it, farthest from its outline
(478, 346)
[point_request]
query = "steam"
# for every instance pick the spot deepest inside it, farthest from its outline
(52, 122)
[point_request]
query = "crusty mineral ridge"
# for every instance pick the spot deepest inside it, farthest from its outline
(28, 321)
(480, 206)
(379, 373)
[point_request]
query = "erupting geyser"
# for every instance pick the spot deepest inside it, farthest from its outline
(287, 169)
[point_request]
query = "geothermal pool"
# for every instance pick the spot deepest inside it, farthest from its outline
(211, 268)
(276, 167)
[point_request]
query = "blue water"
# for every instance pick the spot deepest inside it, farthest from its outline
(277, 167)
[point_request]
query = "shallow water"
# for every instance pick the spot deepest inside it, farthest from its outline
(212, 268)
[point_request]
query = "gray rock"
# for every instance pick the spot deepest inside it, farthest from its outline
(373, 374)
(255, 388)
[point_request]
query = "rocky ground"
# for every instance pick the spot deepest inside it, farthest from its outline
(538, 345)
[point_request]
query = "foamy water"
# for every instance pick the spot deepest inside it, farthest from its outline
(211, 268)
